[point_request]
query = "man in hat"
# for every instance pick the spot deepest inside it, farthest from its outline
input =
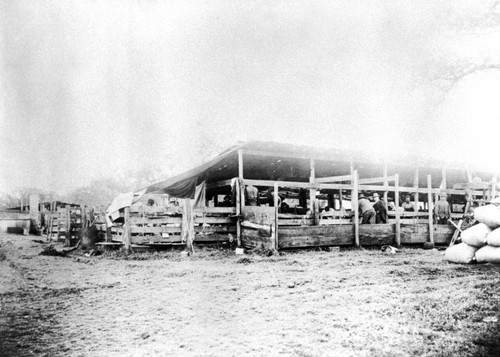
(380, 209)
(366, 210)
(442, 209)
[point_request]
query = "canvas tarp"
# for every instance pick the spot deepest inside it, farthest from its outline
(184, 189)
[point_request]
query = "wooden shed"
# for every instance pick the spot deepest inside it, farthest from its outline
(294, 184)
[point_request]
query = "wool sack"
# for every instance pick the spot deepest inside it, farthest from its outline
(489, 215)
(476, 235)
(494, 238)
(488, 254)
(460, 253)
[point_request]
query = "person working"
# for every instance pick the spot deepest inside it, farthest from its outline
(380, 209)
(408, 205)
(251, 193)
(442, 210)
(366, 210)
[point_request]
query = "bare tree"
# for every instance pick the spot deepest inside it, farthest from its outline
(472, 26)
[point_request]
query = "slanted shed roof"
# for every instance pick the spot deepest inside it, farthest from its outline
(287, 162)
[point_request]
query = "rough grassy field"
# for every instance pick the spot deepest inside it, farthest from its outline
(303, 303)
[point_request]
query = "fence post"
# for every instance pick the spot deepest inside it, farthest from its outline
(396, 207)
(354, 200)
(67, 242)
(431, 218)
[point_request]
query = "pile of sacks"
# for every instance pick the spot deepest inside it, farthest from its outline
(481, 242)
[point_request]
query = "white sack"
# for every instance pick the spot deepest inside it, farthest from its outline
(494, 238)
(488, 254)
(460, 253)
(476, 235)
(489, 215)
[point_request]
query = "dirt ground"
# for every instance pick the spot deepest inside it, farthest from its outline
(215, 303)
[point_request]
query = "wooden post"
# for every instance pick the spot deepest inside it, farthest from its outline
(109, 236)
(354, 204)
(396, 208)
(240, 164)
(34, 203)
(312, 194)
(238, 212)
(429, 200)
(83, 217)
(415, 184)
(386, 185)
(126, 228)
(240, 197)
(276, 199)
(67, 242)
(443, 176)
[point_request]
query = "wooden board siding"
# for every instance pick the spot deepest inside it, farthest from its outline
(251, 238)
(419, 233)
(376, 234)
(301, 237)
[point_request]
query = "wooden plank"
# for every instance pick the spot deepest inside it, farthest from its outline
(265, 227)
(67, 241)
(293, 216)
(377, 234)
(312, 236)
(365, 187)
(270, 183)
(275, 224)
(313, 207)
(419, 233)
(296, 222)
(429, 201)
(240, 163)
(380, 179)
(171, 230)
(354, 200)
(396, 209)
(215, 210)
(251, 239)
(178, 220)
(409, 214)
(456, 233)
(331, 179)
(328, 222)
(238, 213)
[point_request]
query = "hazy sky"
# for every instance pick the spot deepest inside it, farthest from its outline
(91, 88)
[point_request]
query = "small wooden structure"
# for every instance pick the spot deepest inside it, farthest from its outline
(294, 184)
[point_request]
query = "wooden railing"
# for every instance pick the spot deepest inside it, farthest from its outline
(160, 225)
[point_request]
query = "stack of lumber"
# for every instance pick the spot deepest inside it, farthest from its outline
(480, 243)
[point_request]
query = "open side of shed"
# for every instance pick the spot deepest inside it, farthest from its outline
(307, 180)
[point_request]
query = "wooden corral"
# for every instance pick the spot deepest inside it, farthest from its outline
(294, 185)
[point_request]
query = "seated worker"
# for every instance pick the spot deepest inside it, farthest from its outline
(326, 213)
(380, 209)
(442, 211)
(284, 207)
(408, 205)
(226, 202)
(366, 210)
(251, 193)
